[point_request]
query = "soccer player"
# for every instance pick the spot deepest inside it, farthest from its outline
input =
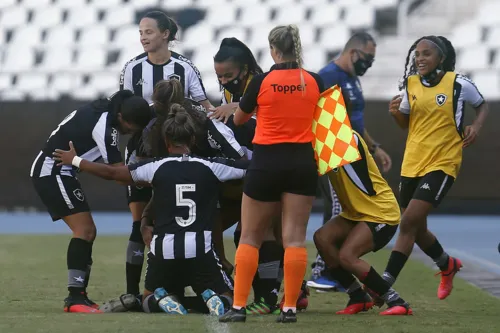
(283, 171)
(356, 58)
(432, 109)
(94, 130)
(140, 75)
(368, 221)
(235, 67)
(184, 206)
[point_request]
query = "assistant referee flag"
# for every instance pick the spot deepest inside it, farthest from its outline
(334, 144)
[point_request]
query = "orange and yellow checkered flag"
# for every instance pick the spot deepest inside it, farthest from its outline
(334, 143)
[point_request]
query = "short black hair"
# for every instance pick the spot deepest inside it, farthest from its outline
(359, 39)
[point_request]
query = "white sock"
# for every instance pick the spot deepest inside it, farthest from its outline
(236, 307)
(285, 309)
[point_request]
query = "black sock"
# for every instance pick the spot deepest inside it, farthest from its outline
(135, 259)
(342, 276)
(397, 261)
(150, 304)
(265, 280)
(375, 282)
(237, 236)
(79, 252)
(436, 252)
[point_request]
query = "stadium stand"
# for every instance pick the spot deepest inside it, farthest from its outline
(78, 47)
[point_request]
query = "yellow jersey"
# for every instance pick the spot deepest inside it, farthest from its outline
(435, 131)
(362, 192)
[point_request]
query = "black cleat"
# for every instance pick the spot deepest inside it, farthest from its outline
(234, 316)
(287, 317)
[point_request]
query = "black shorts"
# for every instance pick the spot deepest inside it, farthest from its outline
(62, 195)
(139, 193)
(430, 188)
(204, 272)
(281, 168)
(382, 234)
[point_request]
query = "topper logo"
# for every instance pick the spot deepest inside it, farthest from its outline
(286, 88)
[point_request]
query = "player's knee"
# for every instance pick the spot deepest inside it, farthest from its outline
(87, 232)
(347, 258)
(320, 238)
(410, 224)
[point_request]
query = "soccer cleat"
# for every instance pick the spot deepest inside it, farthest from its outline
(260, 307)
(287, 317)
(92, 304)
(324, 283)
(124, 303)
(446, 284)
(169, 303)
(303, 301)
(79, 304)
(214, 303)
(234, 316)
(398, 310)
(357, 305)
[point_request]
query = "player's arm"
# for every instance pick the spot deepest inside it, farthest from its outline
(399, 108)
(226, 169)
(196, 89)
(248, 103)
(119, 173)
(147, 222)
(472, 96)
(126, 78)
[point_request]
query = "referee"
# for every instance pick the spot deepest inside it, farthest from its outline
(140, 75)
(283, 172)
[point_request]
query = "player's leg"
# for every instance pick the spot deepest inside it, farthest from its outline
(427, 195)
(64, 199)
(320, 275)
(138, 198)
(256, 218)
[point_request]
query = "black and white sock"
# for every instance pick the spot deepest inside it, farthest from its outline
(135, 259)
(78, 257)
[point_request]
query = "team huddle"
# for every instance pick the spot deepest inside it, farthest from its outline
(193, 170)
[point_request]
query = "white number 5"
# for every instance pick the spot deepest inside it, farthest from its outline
(180, 201)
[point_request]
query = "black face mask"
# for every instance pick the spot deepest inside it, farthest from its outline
(234, 85)
(361, 65)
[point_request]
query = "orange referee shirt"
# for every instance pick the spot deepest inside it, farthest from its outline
(284, 112)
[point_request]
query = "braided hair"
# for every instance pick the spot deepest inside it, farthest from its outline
(443, 45)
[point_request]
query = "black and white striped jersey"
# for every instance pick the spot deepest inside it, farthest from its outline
(93, 133)
(219, 141)
(185, 200)
(140, 76)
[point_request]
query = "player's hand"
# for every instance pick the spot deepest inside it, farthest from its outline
(383, 158)
(147, 234)
(394, 104)
(471, 132)
(65, 157)
(222, 113)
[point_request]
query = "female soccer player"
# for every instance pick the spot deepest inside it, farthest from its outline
(184, 206)
(368, 221)
(432, 108)
(283, 172)
(94, 130)
(140, 75)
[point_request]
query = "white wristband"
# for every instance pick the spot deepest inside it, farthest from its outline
(76, 161)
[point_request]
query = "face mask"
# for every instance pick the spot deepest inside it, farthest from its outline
(234, 85)
(362, 65)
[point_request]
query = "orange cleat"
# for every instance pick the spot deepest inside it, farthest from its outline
(356, 308)
(446, 284)
(80, 304)
(80, 308)
(398, 310)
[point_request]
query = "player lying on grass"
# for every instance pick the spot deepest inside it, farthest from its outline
(184, 206)
(369, 219)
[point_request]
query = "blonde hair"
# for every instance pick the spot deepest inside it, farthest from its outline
(286, 39)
